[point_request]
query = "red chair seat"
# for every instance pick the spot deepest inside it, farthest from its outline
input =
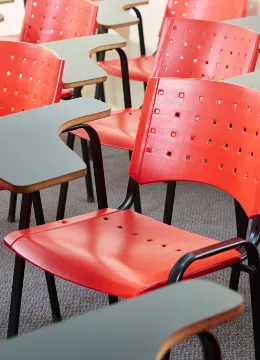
(121, 253)
(118, 130)
(66, 93)
(140, 69)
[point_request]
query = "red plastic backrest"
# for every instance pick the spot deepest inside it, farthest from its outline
(202, 131)
(47, 20)
(214, 10)
(205, 49)
(30, 76)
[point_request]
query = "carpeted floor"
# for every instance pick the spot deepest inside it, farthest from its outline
(200, 209)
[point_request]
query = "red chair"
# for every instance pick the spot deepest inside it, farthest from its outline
(30, 76)
(141, 68)
(199, 131)
(188, 48)
(46, 21)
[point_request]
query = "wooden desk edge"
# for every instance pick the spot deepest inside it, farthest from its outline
(118, 26)
(197, 328)
(128, 7)
(61, 179)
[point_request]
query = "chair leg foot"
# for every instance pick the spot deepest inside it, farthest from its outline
(12, 208)
(112, 299)
(16, 297)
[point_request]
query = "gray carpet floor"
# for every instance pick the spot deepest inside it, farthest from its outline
(198, 208)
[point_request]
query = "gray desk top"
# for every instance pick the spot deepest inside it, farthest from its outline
(37, 157)
(250, 22)
(79, 69)
(1, 18)
(134, 329)
(251, 80)
(112, 14)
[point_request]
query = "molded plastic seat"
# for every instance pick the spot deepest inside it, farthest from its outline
(117, 252)
(211, 55)
(140, 68)
(118, 130)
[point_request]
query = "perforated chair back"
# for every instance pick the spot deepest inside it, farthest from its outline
(205, 49)
(217, 10)
(202, 131)
(47, 20)
(30, 77)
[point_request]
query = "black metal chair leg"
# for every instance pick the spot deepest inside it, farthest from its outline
(53, 296)
(210, 345)
(234, 278)
(18, 276)
(64, 186)
(12, 208)
(112, 299)
(88, 177)
(137, 200)
(169, 202)
(241, 221)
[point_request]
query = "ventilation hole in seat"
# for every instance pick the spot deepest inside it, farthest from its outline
(161, 92)
(120, 227)
(235, 106)
(64, 222)
(234, 170)
(197, 118)
(221, 166)
(256, 133)
(214, 121)
(256, 180)
(181, 95)
(246, 175)
(164, 245)
(206, 62)
(178, 249)
(225, 146)
(244, 130)
(187, 157)
(149, 240)
(153, 131)
(210, 141)
(169, 154)
(192, 137)
(251, 154)
(149, 150)
(230, 126)
(240, 150)
(173, 134)
(134, 234)
(105, 218)
(205, 161)
(177, 114)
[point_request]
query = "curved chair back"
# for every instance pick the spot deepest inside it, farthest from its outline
(202, 131)
(47, 20)
(205, 50)
(30, 77)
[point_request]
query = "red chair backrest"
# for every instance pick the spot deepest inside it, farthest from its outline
(30, 77)
(47, 20)
(214, 10)
(205, 49)
(202, 131)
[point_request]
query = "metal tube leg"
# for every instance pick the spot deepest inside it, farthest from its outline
(12, 207)
(137, 200)
(255, 301)
(88, 178)
(169, 202)
(210, 345)
(112, 299)
(64, 186)
(234, 278)
(54, 302)
(18, 276)
(241, 221)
